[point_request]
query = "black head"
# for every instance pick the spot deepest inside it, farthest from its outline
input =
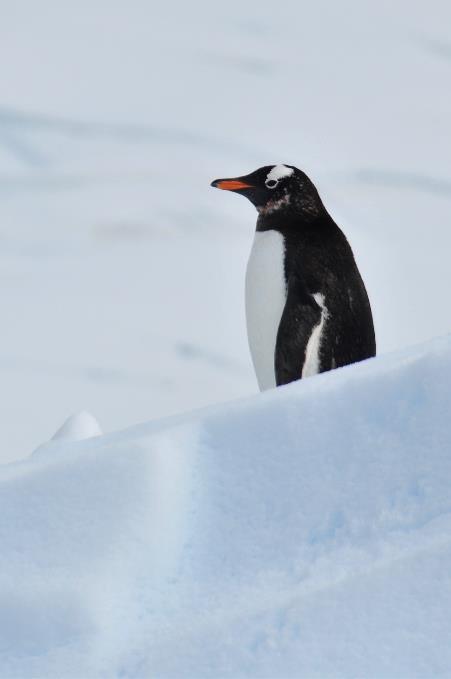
(276, 188)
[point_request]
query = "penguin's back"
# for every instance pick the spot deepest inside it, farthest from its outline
(324, 259)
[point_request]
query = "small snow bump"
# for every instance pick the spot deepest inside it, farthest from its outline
(79, 426)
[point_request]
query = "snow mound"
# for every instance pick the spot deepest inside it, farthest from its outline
(80, 426)
(305, 532)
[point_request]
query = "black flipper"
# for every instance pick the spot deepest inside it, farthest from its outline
(300, 316)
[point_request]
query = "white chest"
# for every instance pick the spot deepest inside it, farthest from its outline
(265, 302)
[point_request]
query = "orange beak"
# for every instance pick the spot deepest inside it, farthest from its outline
(230, 184)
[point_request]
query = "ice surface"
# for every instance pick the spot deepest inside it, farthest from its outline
(305, 532)
(122, 271)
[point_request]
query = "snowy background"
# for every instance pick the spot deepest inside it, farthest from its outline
(121, 270)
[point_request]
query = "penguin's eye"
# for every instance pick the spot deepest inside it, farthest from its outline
(271, 183)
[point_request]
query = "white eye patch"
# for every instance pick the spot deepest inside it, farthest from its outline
(271, 183)
(278, 172)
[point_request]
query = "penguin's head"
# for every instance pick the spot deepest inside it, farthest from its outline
(275, 188)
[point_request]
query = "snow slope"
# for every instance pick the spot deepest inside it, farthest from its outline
(305, 532)
(115, 117)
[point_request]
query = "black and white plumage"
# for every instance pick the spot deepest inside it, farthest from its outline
(307, 309)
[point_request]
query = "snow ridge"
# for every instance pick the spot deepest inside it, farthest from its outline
(255, 541)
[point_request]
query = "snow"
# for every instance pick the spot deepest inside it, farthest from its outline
(79, 426)
(303, 532)
(114, 118)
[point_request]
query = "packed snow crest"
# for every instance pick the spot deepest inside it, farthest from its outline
(305, 532)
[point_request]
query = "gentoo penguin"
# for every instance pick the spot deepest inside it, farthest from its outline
(307, 309)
